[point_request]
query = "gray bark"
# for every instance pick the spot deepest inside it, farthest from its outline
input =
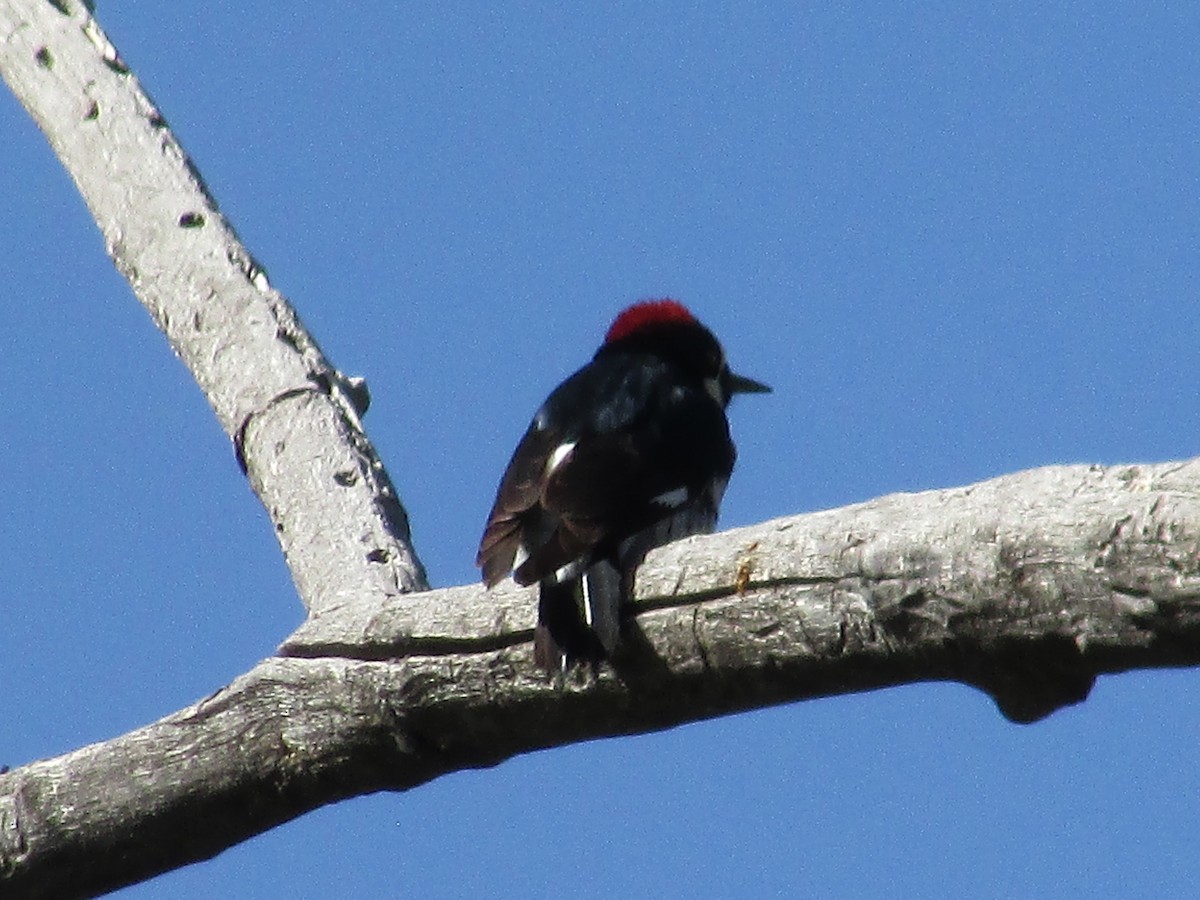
(1026, 587)
(293, 418)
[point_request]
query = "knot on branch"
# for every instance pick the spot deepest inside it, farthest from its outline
(1029, 678)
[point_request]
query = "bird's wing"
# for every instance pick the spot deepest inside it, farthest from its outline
(614, 483)
(520, 491)
(518, 519)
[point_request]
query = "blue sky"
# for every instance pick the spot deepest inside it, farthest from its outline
(958, 241)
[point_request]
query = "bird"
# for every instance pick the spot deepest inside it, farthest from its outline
(629, 453)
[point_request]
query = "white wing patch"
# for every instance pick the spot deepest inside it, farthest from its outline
(561, 452)
(672, 499)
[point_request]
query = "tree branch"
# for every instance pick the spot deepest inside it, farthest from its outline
(1026, 587)
(293, 417)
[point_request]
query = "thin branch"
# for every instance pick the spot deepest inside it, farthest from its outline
(294, 419)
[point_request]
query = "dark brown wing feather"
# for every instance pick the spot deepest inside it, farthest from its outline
(520, 491)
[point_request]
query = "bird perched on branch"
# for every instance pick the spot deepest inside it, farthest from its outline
(629, 453)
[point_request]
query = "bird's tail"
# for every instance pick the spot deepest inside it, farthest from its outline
(579, 619)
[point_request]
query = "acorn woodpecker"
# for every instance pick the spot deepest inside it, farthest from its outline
(629, 453)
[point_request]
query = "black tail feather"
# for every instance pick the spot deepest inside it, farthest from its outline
(603, 599)
(579, 620)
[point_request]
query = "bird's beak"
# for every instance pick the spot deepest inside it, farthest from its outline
(739, 384)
